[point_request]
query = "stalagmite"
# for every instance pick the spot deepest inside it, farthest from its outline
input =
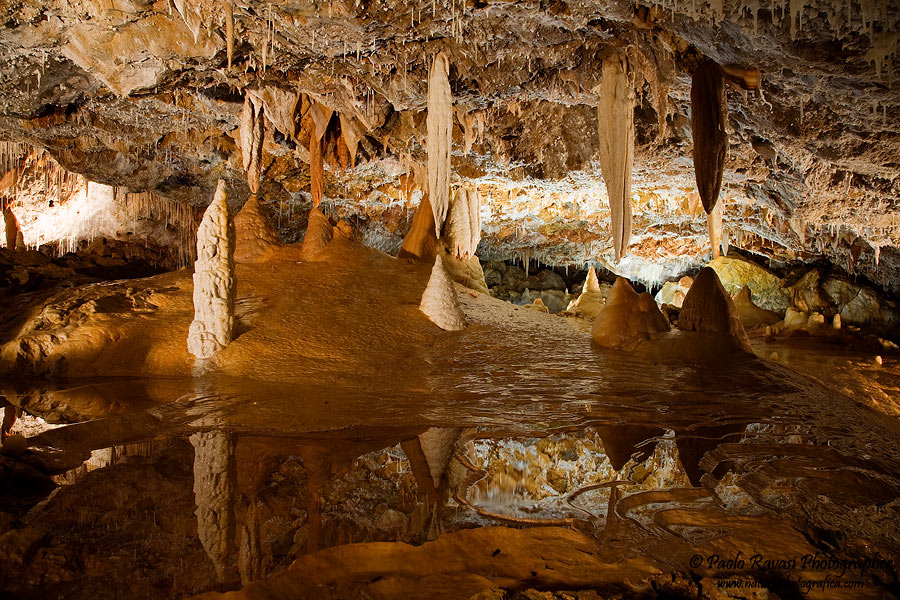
(440, 137)
(214, 494)
(439, 301)
(708, 120)
(421, 242)
(616, 120)
(627, 318)
(252, 133)
(463, 226)
(13, 232)
(255, 236)
(437, 445)
(752, 316)
(591, 283)
(708, 308)
(214, 282)
(319, 231)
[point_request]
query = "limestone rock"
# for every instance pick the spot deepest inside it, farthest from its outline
(808, 295)
(136, 54)
(673, 292)
(751, 315)
(214, 282)
(255, 236)
(466, 271)
(11, 225)
(734, 273)
(627, 318)
(439, 301)
(708, 308)
(538, 305)
(795, 319)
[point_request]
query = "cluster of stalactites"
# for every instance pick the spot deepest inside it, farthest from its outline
(214, 280)
(616, 127)
(463, 227)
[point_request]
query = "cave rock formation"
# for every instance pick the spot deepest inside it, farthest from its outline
(439, 302)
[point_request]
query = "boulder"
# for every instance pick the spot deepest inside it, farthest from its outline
(751, 315)
(734, 273)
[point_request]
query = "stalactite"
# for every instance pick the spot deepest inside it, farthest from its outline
(229, 30)
(437, 445)
(708, 120)
(616, 125)
(440, 137)
(351, 135)
(316, 167)
(214, 282)
(714, 227)
(463, 226)
(252, 134)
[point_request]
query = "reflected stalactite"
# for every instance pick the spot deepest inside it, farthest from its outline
(621, 442)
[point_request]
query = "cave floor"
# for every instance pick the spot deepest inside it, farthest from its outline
(344, 446)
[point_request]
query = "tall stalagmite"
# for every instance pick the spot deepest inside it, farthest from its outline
(616, 120)
(591, 283)
(214, 494)
(708, 121)
(252, 133)
(714, 228)
(214, 282)
(440, 137)
(439, 301)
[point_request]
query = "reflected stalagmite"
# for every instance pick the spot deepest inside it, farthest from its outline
(214, 282)
(616, 117)
(215, 493)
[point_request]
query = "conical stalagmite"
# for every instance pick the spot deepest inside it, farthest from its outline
(252, 133)
(439, 302)
(440, 137)
(627, 318)
(591, 283)
(421, 242)
(214, 282)
(708, 121)
(319, 231)
(708, 308)
(616, 120)
(255, 236)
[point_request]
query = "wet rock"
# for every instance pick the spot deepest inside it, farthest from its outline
(808, 295)
(17, 546)
(751, 315)
(861, 305)
(735, 273)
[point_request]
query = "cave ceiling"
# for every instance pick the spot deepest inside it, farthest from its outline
(140, 95)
